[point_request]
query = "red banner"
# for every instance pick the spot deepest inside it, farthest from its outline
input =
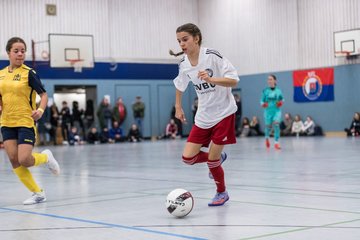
(314, 85)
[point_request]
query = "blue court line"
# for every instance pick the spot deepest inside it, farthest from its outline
(103, 224)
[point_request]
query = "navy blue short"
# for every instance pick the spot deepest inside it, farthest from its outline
(23, 135)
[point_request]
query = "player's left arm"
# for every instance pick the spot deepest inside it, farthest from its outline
(43, 101)
(229, 76)
(36, 84)
(280, 100)
(281, 97)
(225, 82)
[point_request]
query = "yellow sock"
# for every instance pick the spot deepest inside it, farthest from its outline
(26, 178)
(40, 158)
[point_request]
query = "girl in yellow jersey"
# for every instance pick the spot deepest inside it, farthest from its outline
(18, 87)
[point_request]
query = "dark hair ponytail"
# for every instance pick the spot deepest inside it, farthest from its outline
(171, 52)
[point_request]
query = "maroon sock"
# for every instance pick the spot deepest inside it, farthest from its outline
(198, 158)
(218, 173)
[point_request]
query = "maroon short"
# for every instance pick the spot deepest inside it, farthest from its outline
(221, 134)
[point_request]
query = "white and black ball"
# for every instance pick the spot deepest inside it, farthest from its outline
(179, 202)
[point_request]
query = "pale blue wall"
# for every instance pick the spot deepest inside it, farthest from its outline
(159, 97)
(332, 116)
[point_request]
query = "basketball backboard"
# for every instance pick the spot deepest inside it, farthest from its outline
(347, 43)
(67, 49)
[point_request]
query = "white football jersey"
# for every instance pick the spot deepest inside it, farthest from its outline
(215, 102)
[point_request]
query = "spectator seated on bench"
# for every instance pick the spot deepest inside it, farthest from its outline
(354, 129)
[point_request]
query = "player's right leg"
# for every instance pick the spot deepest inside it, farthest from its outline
(16, 142)
(267, 135)
(268, 122)
(26, 160)
(24, 174)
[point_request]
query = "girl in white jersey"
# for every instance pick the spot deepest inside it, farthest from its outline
(212, 76)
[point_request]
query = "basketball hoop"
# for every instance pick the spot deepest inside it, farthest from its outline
(342, 54)
(347, 54)
(77, 64)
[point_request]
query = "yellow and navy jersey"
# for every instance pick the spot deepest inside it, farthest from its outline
(18, 92)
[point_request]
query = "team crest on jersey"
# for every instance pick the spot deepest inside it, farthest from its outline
(210, 72)
(17, 77)
(312, 86)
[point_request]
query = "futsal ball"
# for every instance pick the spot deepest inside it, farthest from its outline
(179, 202)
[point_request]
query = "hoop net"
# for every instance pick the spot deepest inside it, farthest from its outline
(77, 64)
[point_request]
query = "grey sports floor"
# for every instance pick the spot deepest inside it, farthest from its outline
(308, 190)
